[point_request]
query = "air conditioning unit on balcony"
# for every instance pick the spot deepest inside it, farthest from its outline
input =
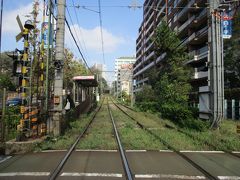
(195, 57)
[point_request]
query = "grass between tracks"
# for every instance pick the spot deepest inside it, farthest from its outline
(225, 138)
(100, 134)
(132, 137)
(69, 137)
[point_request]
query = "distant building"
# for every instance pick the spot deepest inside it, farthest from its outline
(123, 74)
(125, 79)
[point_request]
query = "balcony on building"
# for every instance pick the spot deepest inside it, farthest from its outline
(149, 36)
(149, 56)
(183, 13)
(184, 26)
(147, 9)
(180, 3)
(200, 75)
(200, 36)
(198, 56)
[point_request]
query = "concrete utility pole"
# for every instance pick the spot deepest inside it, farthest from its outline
(216, 82)
(58, 84)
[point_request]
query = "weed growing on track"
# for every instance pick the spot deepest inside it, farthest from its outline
(66, 140)
(223, 139)
(100, 134)
(132, 137)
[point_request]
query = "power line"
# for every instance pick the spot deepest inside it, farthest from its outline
(100, 19)
(139, 7)
(84, 45)
(74, 28)
(70, 30)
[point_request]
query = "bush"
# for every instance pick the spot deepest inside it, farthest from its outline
(175, 112)
(182, 116)
(147, 106)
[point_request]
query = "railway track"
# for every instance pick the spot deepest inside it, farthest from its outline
(170, 147)
(127, 164)
(190, 135)
(122, 153)
(59, 167)
(128, 173)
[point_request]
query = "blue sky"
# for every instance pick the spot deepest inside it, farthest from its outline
(120, 28)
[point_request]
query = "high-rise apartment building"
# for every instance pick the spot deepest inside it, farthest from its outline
(188, 18)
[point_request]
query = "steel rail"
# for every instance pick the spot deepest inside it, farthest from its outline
(59, 167)
(189, 135)
(127, 169)
(206, 173)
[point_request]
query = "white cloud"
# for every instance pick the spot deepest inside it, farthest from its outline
(10, 24)
(9, 18)
(92, 39)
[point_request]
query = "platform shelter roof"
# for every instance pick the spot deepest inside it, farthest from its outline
(86, 81)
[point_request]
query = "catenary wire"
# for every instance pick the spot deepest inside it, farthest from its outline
(83, 41)
(74, 39)
(101, 28)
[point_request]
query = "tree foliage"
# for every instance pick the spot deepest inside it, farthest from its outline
(6, 78)
(103, 80)
(72, 68)
(170, 83)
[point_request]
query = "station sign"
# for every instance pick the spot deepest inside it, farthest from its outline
(45, 30)
(226, 27)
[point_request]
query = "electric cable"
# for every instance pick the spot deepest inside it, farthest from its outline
(84, 44)
(100, 19)
(72, 35)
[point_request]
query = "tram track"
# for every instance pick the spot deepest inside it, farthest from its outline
(120, 162)
(127, 170)
(125, 163)
(191, 136)
(170, 147)
(60, 166)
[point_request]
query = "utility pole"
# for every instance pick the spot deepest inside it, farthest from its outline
(58, 83)
(216, 81)
(49, 55)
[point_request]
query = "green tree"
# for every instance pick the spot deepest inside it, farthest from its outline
(146, 100)
(102, 79)
(6, 78)
(72, 68)
(170, 82)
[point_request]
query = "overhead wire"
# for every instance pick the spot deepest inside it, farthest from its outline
(83, 58)
(71, 20)
(75, 41)
(138, 6)
(83, 41)
(101, 28)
